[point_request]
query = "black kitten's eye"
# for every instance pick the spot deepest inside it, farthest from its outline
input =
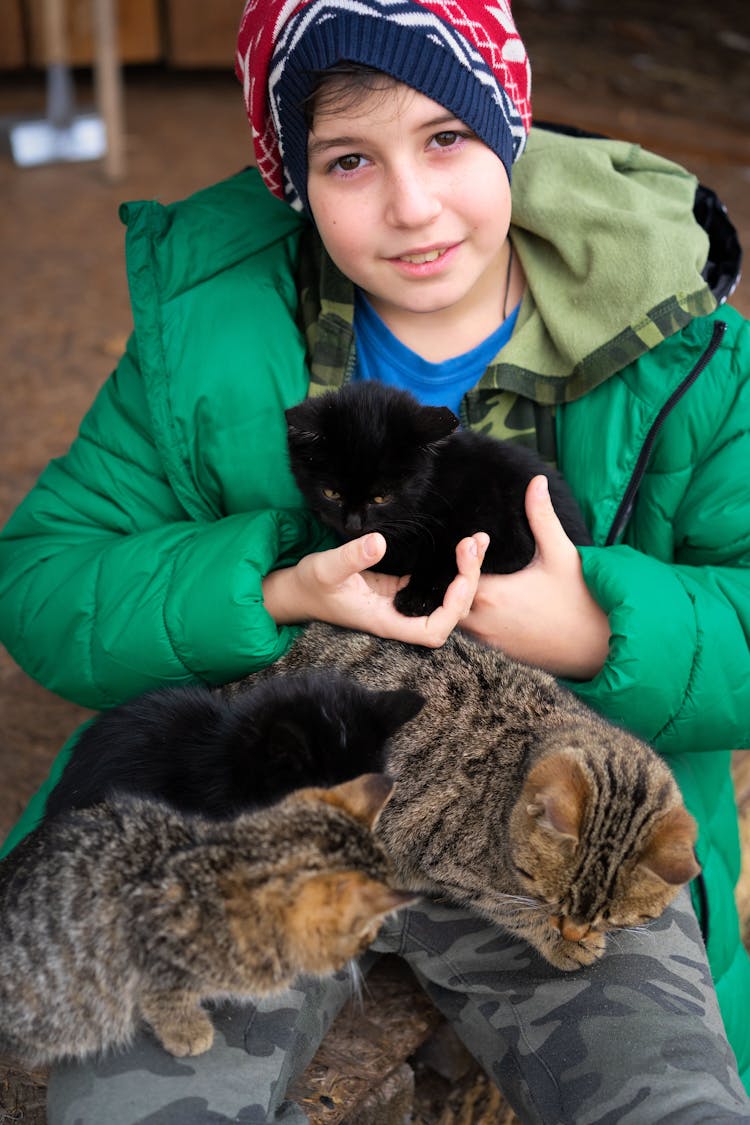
(381, 499)
(331, 494)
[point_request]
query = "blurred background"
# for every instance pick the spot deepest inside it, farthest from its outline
(673, 77)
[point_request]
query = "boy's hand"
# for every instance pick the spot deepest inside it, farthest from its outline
(337, 586)
(543, 614)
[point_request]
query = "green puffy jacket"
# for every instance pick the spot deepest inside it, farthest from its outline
(137, 559)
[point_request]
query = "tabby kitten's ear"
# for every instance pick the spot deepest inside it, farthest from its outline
(394, 708)
(555, 793)
(433, 423)
(669, 853)
(364, 798)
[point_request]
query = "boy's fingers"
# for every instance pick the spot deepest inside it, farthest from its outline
(545, 526)
(352, 558)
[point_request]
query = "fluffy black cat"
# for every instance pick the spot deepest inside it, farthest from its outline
(204, 753)
(369, 457)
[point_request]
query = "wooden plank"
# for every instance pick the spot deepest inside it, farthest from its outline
(138, 35)
(200, 34)
(12, 45)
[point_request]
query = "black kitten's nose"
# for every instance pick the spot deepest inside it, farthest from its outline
(353, 522)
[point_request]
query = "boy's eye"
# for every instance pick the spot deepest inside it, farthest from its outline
(330, 494)
(446, 138)
(381, 499)
(349, 163)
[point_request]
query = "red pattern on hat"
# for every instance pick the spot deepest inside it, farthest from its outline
(489, 27)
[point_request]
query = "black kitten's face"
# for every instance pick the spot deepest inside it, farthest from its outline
(362, 456)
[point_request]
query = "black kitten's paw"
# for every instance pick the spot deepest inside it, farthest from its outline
(413, 602)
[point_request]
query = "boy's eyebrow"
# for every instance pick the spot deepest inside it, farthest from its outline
(315, 147)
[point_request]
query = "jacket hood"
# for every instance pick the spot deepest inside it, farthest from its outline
(613, 257)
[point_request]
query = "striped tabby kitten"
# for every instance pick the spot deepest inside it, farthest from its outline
(514, 798)
(132, 911)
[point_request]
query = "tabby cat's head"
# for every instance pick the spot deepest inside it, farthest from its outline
(602, 848)
(326, 895)
(362, 456)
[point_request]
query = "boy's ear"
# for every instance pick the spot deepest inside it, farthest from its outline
(435, 423)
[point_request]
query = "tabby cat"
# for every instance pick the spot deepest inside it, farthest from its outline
(514, 798)
(369, 457)
(131, 911)
(203, 753)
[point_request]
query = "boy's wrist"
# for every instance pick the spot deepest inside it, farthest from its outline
(283, 597)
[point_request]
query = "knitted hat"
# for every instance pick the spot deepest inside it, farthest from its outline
(466, 56)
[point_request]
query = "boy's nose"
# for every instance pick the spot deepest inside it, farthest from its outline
(411, 200)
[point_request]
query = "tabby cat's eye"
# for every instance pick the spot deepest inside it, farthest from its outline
(381, 499)
(331, 494)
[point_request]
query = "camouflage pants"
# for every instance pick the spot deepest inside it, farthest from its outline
(636, 1038)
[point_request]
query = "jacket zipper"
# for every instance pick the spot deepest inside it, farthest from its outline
(626, 504)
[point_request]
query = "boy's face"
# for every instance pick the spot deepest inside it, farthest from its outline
(411, 206)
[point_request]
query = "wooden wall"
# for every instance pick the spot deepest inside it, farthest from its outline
(180, 33)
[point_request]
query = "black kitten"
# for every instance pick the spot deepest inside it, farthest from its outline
(204, 753)
(369, 457)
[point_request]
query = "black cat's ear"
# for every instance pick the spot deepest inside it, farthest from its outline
(296, 416)
(394, 708)
(434, 423)
(555, 793)
(300, 422)
(669, 853)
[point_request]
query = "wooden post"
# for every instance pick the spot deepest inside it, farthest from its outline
(109, 86)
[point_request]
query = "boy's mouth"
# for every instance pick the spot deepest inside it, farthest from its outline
(420, 259)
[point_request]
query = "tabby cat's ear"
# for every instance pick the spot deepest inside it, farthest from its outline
(394, 708)
(434, 423)
(555, 793)
(669, 852)
(364, 798)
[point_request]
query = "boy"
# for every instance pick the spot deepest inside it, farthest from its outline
(170, 544)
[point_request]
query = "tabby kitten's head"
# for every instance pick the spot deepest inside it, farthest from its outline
(602, 849)
(326, 893)
(362, 456)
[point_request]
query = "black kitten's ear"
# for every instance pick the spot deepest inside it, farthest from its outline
(394, 708)
(435, 423)
(299, 418)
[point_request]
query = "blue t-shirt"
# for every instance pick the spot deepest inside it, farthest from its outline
(381, 356)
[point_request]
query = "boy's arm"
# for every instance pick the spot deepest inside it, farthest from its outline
(108, 588)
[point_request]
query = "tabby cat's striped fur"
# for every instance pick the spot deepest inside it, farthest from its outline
(514, 798)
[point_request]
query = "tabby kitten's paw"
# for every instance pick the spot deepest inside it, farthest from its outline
(191, 1034)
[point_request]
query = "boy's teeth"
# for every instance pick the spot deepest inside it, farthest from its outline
(418, 259)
